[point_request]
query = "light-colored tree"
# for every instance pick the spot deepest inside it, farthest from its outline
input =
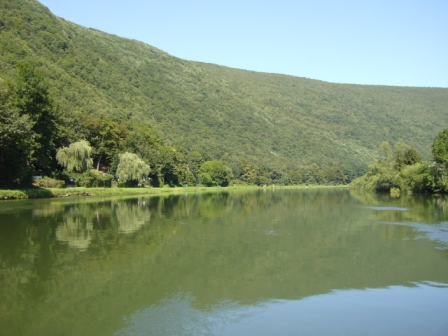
(132, 168)
(76, 157)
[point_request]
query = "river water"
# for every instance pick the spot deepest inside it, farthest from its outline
(264, 262)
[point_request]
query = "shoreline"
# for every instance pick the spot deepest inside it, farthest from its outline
(34, 193)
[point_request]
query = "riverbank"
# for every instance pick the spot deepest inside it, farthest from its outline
(79, 191)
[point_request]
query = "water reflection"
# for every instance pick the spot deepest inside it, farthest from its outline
(223, 261)
(436, 232)
(348, 312)
(75, 231)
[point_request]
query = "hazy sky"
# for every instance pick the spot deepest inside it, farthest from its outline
(385, 42)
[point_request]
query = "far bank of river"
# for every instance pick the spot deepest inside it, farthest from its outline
(6, 194)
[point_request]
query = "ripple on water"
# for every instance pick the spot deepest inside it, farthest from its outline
(385, 208)
(435, 232)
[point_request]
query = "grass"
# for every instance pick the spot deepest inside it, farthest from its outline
(6, 194)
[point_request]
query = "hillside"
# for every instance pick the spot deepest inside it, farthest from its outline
(273, 121)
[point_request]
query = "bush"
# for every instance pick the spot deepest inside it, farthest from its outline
(48, 182)
(94, 178)
(415, 178)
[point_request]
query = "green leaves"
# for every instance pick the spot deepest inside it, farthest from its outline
(123, 95)
(16, 140)
(132, 168)
(76, 157)
(32, 99)
(440, 147)
(215, 172)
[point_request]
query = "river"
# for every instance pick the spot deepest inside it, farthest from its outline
(264, 262)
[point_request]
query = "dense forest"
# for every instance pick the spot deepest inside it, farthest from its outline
(74, 98)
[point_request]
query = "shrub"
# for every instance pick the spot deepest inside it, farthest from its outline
(48, 182)
(94, 178)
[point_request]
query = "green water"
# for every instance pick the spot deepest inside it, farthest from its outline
(266, 262)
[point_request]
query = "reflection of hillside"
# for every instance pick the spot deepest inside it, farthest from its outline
(256, 246)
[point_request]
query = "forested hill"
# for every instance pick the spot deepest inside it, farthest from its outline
(274, 122)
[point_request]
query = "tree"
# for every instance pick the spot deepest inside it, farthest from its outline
(107, 138)
(440, 147)
(131, 168)
(33, 100)
(76, 157)
(16, 138)
(405, 155)
(217, 171)
(440, 168)
(385, 153)
(195, 160)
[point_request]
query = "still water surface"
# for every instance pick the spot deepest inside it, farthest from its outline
(266, 262)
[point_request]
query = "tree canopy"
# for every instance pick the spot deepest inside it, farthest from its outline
(215, 172)
(76, 157)
(440, 147)
(132, 168)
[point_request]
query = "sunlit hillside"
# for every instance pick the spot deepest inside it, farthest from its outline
(274, 121)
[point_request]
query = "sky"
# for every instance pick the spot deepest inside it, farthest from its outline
(379, 42)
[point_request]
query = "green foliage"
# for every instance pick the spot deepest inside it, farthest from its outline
(385, 153)
(93, 178)
(405, 155)
(415, 178)
(217, 172)
(132, 168)
(76, 157)
(48, 182)
(400, 170)
(440, 165)
(206, 179)
(107, 138)
(15, 141)
(406, 172)
(195, 160)
(32, 100)
(440, 147)
(125, 96)
(254, 175)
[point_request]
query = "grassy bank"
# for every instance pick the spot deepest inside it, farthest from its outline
(6, 194)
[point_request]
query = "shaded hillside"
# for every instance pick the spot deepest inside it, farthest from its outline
(271, 120)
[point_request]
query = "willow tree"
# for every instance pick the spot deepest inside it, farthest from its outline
(76, 157)
(132, 168)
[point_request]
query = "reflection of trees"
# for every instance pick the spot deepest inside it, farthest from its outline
(423, 208)
(131, 216)
(281, 243)
(76, 231)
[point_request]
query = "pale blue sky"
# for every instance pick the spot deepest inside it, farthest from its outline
(383, 42)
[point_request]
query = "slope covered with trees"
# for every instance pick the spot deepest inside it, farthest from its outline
(122, 96)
